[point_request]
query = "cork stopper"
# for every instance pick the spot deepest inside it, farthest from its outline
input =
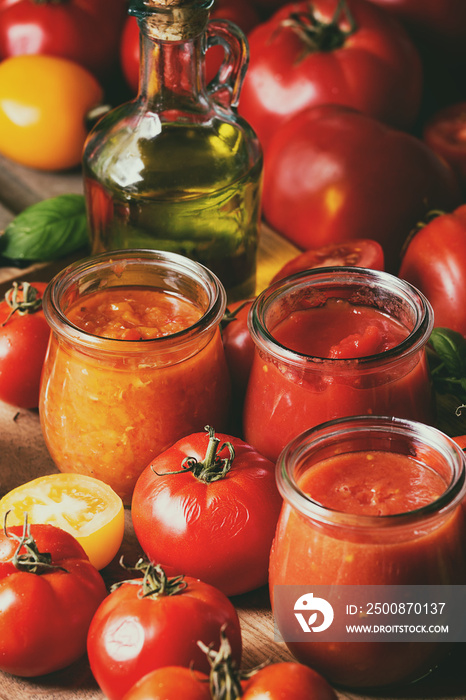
(172, 20)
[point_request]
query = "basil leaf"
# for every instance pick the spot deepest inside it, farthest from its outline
(48, 230)
(450, 348)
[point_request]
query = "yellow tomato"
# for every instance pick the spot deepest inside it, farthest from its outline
(43, 104)
(86, 507)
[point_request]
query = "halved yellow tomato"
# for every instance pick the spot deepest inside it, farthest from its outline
(84, 506)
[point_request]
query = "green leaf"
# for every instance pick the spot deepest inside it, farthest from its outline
(450, 348)
(48, 230)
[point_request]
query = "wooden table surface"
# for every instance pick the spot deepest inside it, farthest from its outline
(23, 456)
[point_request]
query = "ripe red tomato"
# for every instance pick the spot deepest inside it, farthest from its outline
(153, 622)
(84, 31)
(461, 441)
(445, 133)
(308, 54)
(434, 261)
(289, 680)
(171, 683)
(238, 344)
(24, 337)
(129, 53)
(50, 608)
(333, 174)
(442, 23)
(209, 520)
(360, 252)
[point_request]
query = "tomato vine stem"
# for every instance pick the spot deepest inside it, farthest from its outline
(212, 467)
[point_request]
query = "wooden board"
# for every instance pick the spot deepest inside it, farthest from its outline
(23, 456)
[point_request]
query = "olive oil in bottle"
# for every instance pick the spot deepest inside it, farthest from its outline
(176, 168)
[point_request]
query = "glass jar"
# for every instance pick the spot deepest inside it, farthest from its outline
(176, 168)
(290, 391)
(316, 544)
(108, 406)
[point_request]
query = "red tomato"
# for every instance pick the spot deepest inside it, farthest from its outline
(171, 683)
(84, 31)
(435, 262)
(152, 622)
(129, 53)
(333, 174)
(445, 133)
(461, 441)
(50, 607)
(24, 337)
(241, 12)
(443, 23)
(289, 680)
(238, 344)
(360, 252)
(209, 520)
(308, 54)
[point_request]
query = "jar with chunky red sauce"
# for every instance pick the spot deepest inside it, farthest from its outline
(335, 342)
(369, 501)
(135, 362)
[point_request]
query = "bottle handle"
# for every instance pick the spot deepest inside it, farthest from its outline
(226, 85)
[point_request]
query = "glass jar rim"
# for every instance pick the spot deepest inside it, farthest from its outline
(343, 276)
(173, 262)
(299, 447)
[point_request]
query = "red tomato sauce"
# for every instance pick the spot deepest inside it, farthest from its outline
(339, 330)
(108, 413)
(285, 399)
(307, 552)
(372, 483)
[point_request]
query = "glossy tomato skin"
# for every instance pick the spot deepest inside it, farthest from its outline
(290, 681)
(132, 635)
(362, 252)
(53, 610)
(173, 683)
(85, 31)
(238, 344)
(23, 345)
(55, 94)
(333, 174)
(377, 70)
(435, 262)
(441, 23)
(129, 53)
(220, 532)
(445, 133)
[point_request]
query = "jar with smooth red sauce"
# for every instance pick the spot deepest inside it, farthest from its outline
(336, 342)
(134, 363)
(369, 501)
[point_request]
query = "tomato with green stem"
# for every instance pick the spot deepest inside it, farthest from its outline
(208, 507)
(345, 52)
(153, 621)
(49, 592)
(24, 337)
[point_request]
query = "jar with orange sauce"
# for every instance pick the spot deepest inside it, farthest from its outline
(135, 362)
